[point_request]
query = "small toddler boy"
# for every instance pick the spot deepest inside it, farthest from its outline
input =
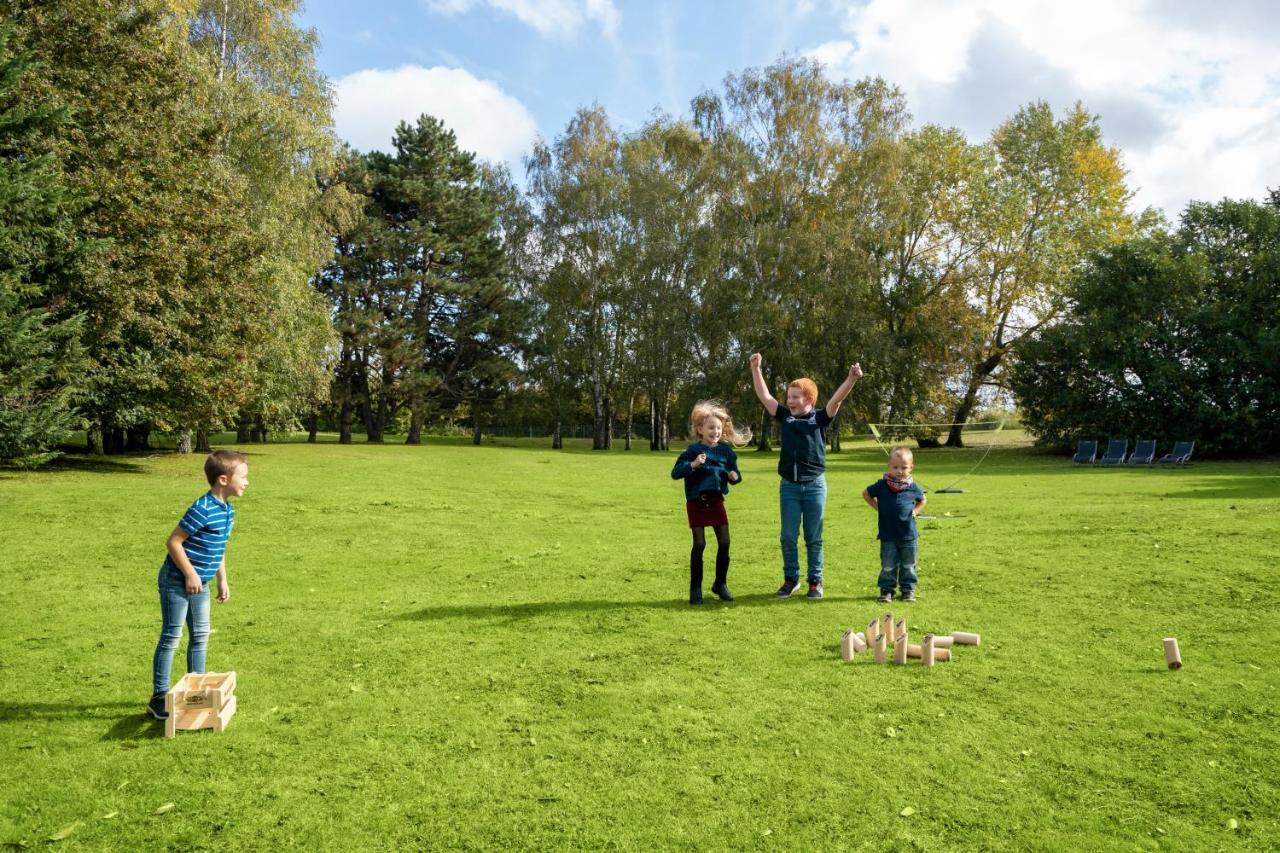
(898, 500)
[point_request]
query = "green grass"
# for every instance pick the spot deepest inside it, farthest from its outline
(486, 647)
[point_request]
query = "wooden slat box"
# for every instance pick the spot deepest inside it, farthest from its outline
(200, 700)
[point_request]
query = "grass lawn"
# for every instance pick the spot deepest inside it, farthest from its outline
(488, 647)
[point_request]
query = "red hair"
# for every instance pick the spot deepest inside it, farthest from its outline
(807, 387)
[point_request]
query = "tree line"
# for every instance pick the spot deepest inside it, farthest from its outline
(186, 247)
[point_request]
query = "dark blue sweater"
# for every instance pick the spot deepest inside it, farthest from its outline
(712, 475)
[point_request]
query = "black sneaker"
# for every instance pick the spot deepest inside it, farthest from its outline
(885, 598)
(815, 591)
(788, 587)
(722, 590)
(695, 595)
(156, 708)
(909, 596)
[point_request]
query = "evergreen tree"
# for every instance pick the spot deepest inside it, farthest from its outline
(42, 366)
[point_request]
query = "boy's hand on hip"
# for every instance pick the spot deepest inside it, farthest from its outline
(194, 586)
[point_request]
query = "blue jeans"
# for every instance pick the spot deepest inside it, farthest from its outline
(898, 565)
(802, 504)
(176, 607)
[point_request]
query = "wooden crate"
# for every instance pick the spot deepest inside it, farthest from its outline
(200, 700)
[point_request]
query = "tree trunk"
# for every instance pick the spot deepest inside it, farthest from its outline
(202, 441)
(664, 423)
(833, 433)
(345, 416)
(184, 441)
(765, 423)
(313, 427)
(653, 421)
(93, 439)
(112, 439)
(983, 370)
(600, 418)
(415, 427)
(475, 427)
(631, 410)
(557, 442)
(243, 435)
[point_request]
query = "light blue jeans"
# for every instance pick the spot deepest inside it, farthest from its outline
(802, 504)
(898, 566)
(178, 607)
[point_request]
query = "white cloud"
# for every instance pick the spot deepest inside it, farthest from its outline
(1189, 92)
(555, 18)
(486, 120)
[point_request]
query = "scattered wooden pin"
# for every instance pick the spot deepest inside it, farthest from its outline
(964, 638)
(900, 648)
(849, 645)
(1171, 654)
(943, 641)
(926, 650)
(915, 650)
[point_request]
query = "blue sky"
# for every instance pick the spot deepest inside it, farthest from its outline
(1189, 91)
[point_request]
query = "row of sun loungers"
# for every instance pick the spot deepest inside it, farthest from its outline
(1144, 453)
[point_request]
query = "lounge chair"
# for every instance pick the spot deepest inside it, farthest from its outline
(1180, 455)
(1117, 450)
(1086, 452)
(1144, 452)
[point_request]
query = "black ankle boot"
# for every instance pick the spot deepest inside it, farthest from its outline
(695, 593)
(721, 589)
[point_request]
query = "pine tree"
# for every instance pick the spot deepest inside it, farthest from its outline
(42, 365)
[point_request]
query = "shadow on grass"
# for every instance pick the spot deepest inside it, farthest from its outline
(531, 609)
(84, 464)
(1256, 488)
(135, 725)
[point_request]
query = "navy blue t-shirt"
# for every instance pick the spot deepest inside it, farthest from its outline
(897, 524)
(804, 444)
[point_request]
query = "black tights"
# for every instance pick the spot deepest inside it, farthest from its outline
(700, 545)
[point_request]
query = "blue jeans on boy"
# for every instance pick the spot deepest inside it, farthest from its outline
(898, 565)
(802, 503)
(177, 606)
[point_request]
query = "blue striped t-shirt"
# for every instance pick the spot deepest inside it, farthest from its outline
(208, 523)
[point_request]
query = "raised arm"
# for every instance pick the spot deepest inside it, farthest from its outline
(762, 390)
(833, 403)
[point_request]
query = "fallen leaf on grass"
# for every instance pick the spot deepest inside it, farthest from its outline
(167, 807)
(64, 832)
(109, 815)
(891, 731)
(1233, 824)
(907, 812)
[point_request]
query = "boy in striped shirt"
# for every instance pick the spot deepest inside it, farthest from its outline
(197, 554)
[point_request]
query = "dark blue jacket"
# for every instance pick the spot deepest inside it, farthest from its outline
(712, 475)
(897, 524)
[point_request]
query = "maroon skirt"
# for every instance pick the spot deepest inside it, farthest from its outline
(707, 511)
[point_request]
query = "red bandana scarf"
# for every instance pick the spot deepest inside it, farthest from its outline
(895, 485)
